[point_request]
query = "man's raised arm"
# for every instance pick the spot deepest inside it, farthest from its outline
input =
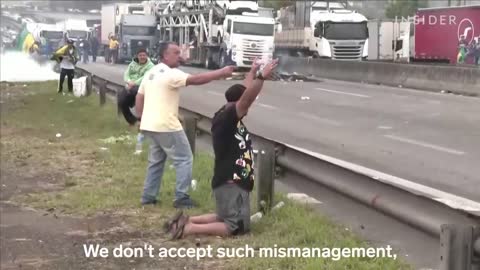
(253, 87)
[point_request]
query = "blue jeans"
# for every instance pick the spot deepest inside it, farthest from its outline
(175, 146)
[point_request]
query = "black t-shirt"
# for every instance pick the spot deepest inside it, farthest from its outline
(233, 149)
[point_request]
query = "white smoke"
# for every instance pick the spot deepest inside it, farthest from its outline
(20, 67)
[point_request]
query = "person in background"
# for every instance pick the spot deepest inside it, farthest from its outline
(126, 100)
(157, 104)
(84, 49)
(94, 44)
(113, 47)
(133, 76)
(462, 50)
(108, 53)
(233, 177)
(67, 56)
(476, 51)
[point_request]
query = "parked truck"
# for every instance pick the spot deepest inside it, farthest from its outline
(218, 33)
(74, 29)
(46, 37)
(438, 32)
(50, 37)
(323, 29)
(133, 28)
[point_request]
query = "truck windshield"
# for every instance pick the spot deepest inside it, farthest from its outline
(77, 34)
(346, 30)
(138, 30)
(52, 34)
(253, 29)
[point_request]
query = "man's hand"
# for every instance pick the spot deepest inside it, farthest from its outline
(227, 71)
(267, 71)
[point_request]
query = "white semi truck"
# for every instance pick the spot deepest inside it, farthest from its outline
(324, 29)
(75, 29)
(218, 33)
(131, 25)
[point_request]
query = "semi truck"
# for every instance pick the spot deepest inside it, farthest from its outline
(323, 29)
(438, 32)
(74, 29)
(133, 28)
(218, 33)
(47, 37)
(50, 37)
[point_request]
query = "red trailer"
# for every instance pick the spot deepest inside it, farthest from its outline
(438, 32)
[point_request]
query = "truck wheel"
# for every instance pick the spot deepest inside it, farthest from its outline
(223, 59)
(209, 62)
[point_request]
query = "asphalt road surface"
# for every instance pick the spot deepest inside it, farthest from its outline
(427, 138)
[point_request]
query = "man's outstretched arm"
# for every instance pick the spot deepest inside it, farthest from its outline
(206, 77)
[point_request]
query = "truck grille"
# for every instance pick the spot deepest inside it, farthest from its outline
(347, 52)
(134, 45)
(252, 48)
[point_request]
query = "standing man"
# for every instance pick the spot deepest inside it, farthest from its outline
(67, 57)
(94, 44)
(233, 177)
(133, 77)
(113, 46)
(85, 49)
(157, 105)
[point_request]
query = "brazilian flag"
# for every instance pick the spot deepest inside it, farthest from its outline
(462, 53)
(21, 38)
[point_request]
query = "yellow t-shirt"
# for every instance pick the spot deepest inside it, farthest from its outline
(113, 44)
(160, 87)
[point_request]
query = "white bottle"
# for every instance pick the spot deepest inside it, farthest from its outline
(256, 217)
(139, 146)
(194, 184)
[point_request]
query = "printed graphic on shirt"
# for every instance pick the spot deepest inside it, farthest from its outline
(243, 170)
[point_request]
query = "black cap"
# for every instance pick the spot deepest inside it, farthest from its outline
(234, 93)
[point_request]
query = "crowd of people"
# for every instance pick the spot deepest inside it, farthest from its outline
(468, 50)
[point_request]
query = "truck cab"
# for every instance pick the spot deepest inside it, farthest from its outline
(75, 29)
(246, 37)
(338, 33)
(135, 32)
(50, 37)
(244, 34)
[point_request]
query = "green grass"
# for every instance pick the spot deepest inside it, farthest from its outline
(93, 180)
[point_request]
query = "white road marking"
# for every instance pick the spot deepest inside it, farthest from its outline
(343, 93)
(267, 106)
(215, 93)
(321, 119)
(384, 127)
(443, 197)
(425, 144)
(302, 198)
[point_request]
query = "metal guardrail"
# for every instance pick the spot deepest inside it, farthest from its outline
(458, 231)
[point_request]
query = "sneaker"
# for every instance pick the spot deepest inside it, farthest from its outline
(185, 203)
(154, 202)
(59, 91)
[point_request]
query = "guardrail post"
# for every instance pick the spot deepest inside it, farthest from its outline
(103, 93)
(265, 175)
(89, 84)
(457, 247)
(190, 126)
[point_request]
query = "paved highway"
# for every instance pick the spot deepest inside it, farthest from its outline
(427, 138)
